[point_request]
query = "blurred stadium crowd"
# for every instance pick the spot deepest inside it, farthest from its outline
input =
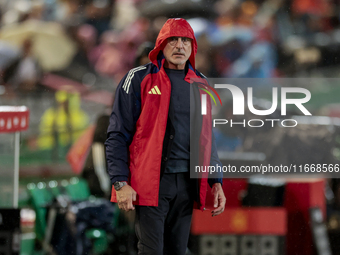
(64, 58)
(86, 39)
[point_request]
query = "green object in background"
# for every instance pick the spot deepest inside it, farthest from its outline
(100, 241)
(77, 189)
(27, 244)
(39, 197)
(54, 188)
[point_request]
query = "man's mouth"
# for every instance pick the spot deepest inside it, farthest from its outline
(178, 54)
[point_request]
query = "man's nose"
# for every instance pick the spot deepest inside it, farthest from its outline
(179, 43)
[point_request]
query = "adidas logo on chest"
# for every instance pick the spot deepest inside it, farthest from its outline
(155, 91)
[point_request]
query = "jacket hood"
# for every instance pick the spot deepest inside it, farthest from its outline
(174, 27)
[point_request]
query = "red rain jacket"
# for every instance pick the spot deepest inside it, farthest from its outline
(139, 121)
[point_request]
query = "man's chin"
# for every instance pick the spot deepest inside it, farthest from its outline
(175, 64)
(179, 62)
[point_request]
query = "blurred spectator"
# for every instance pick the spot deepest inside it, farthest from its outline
(107, 56)
(9, 58)
(117, 52)
(142, 56)
(125, 13)
(95, 166)
(98, 13)
(81, 65)
(258, 61)
(63, 124)
(26, 72)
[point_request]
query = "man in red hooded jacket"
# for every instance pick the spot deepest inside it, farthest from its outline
(148, 145)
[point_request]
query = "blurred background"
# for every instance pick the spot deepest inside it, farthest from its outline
(63, 59)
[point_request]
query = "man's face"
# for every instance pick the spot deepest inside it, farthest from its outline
(176, 52)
